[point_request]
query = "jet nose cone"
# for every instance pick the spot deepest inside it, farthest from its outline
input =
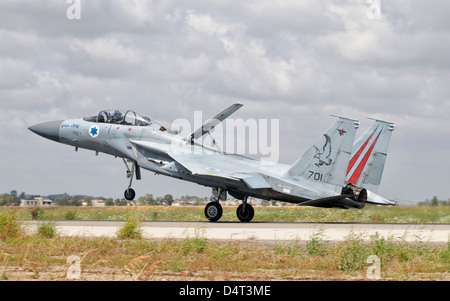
(49, 130)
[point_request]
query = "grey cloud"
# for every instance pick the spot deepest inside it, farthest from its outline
(296, 61)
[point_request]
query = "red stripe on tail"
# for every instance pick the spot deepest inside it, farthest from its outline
(356, 156)
(361, 165)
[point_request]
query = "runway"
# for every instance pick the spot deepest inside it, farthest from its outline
(258, 232)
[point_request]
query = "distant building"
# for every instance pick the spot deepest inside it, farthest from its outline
(98, 203)
(37, 201)
(93, 203)
(183, 203)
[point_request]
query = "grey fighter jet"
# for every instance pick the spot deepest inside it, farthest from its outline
(334, 172)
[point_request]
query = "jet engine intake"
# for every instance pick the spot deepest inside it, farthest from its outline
(358, 194)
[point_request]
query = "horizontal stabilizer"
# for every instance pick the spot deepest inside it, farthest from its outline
(376, 199)
(346, 201)
(324, 201)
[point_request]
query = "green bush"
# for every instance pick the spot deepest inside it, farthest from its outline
(70, 215)
(353, 255)
(316, 246)
(10, 226)
(47, 230)
(196, 244)
(131, 229)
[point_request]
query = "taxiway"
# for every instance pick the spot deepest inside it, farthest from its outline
(259, 232)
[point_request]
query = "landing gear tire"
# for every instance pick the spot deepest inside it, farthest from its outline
(213, 211)
(129, 194)
(245, 213)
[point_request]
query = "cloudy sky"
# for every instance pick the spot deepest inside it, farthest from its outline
(297, 61)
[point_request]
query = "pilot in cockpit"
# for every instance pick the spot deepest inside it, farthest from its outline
(116, 117)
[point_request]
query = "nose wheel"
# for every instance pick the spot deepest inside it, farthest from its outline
(129, 194)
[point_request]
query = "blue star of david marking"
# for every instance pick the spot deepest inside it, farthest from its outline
(93, 131)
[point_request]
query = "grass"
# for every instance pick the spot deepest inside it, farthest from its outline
(10, 227)
(370, 214)
(44, 256)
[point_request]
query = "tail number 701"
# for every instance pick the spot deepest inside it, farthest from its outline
(317, 176)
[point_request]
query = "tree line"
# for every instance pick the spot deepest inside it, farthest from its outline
(64, 199)
(435, 202)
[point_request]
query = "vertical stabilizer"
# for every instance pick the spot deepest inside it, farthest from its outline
(366, 165)
(327, 160)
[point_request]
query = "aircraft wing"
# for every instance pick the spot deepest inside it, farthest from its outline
(210, 164)
(222, 166)
(211, 123)
(254, 180)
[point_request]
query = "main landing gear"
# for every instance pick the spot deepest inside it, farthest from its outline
(213, 210)
(129, 193)
(245, 211)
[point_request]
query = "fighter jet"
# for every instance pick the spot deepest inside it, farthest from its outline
(333, 173)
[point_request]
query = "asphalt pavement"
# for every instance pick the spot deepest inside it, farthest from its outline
(259, 232)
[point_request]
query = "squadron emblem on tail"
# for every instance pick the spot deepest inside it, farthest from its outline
(326, 148)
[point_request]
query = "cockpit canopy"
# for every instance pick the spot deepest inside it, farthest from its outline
(125, 117)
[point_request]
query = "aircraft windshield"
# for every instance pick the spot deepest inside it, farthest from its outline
(127, 117)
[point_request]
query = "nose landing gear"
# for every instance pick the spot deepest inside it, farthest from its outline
(129, 193)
